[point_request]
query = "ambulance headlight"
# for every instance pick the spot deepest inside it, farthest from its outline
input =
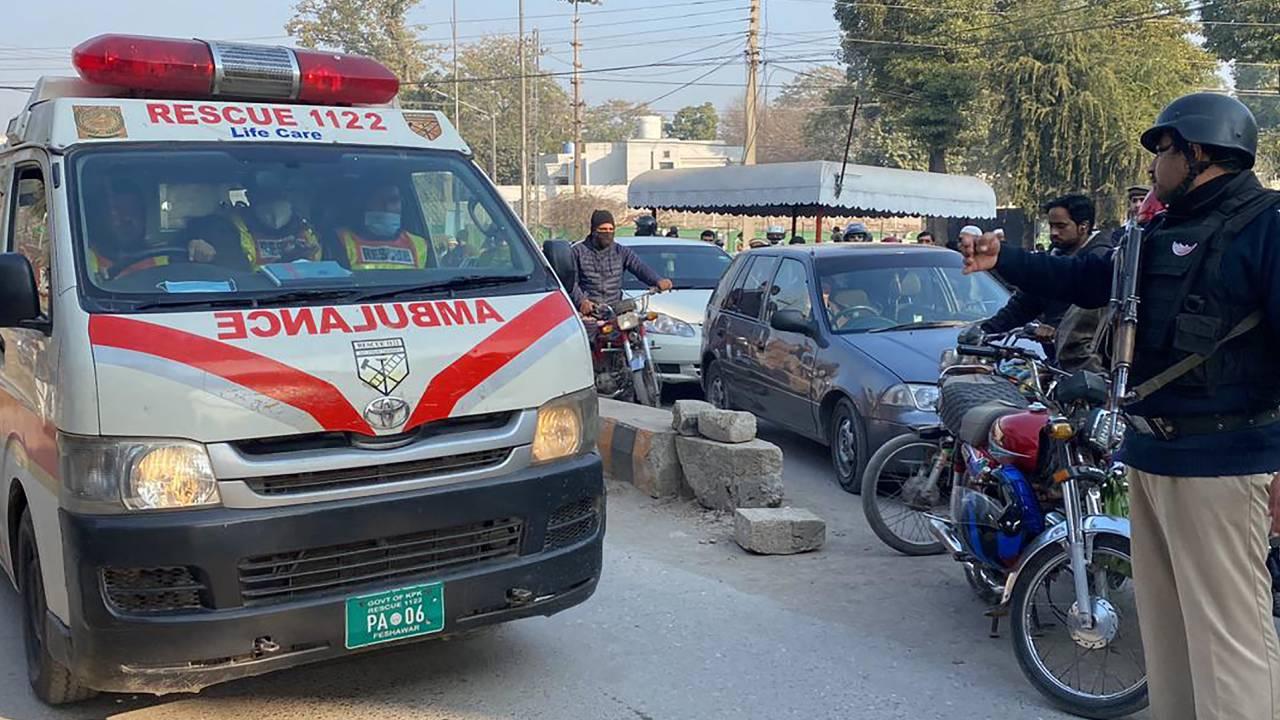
(110, 474)
(567, 426)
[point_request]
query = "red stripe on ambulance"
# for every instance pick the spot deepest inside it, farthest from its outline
(487, 358)
(316, 397)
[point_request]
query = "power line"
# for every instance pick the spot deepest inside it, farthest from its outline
(694, 81)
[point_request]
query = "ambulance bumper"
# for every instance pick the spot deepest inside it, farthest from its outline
(208, 626)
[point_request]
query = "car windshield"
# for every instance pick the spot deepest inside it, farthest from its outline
(884, 297)
(690, 267)
(162, 226)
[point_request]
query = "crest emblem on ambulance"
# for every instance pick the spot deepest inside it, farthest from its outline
(428, 126)
(381, 364)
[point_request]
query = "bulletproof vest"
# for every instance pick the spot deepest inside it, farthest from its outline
(1186, 308)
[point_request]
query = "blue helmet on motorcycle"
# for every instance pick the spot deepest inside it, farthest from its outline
(985, 529)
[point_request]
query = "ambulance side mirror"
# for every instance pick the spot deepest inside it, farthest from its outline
(19, 301)
(560, 254)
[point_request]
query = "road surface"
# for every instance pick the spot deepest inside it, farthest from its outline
(684, 625)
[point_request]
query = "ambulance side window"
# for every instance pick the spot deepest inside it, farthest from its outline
(29, 226)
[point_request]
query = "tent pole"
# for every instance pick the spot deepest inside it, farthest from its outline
(793, 222)
(817, 231)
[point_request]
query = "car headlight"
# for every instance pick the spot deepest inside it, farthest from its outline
(667, 325)
(113, 474)
(911, 396)
(567, 426)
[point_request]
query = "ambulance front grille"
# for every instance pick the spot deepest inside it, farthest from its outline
(309, 482)
(316, 571)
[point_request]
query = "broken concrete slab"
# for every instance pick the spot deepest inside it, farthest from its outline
(730, 476)
(778, 531)
(728, 426)
(637, 445)
(684, 415)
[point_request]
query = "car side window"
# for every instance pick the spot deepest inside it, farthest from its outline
(790, 289)
(747, 296)
(29, 227)
(726, 281)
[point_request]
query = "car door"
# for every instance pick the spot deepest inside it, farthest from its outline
(784, 366)
(740, 333)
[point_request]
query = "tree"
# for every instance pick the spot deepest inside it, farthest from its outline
(901, 54)
(612, 121)
(489, 70)
(1242, 31)
(375, 28)
(569, 216)
(1072, 105)
(696, 122)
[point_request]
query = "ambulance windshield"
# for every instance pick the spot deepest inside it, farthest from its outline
(167, 226)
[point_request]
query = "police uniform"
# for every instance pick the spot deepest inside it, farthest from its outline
(1204, 443)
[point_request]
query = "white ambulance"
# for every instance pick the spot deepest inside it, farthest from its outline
(282, 378)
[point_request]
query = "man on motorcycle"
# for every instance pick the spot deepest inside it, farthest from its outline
(601, 262)
(1203, 443)
(1072, 347)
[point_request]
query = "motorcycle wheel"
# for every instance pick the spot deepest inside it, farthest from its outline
(1040, 614)
(900, 524)
(645, 388)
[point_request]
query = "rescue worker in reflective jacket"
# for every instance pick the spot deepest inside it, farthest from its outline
(122, 248)
(268, 231)
(1203, 443)
(381, 242)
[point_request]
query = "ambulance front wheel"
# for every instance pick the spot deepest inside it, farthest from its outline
(52, 682)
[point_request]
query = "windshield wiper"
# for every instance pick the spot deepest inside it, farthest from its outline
(921, 325)
(454, 283)
(249, 302)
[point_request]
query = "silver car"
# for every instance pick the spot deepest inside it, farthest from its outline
(675, 337)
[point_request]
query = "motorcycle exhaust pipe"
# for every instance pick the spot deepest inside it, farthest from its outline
(946, 535)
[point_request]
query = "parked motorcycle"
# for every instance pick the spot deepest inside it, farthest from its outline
(620, 354)
(1033, 501)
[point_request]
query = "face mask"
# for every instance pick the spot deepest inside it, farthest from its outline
(381, 222)
(274, 214)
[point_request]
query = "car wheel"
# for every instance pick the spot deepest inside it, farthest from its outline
(52, 682)
(714, 388)
(848, 446)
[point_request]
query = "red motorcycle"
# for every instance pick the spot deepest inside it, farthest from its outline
(620, 351)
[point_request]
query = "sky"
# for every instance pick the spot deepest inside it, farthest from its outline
(708, 35)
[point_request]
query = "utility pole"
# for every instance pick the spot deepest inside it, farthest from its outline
(749, 104)
(524, 127)
(457, 107)
(534, 185)
(577, 105)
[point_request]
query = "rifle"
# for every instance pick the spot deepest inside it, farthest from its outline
(1122, 311)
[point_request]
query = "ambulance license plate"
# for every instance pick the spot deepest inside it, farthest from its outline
(395, 615)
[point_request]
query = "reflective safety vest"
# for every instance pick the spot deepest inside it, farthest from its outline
(404, 252)
(101, 266)
(264, 251)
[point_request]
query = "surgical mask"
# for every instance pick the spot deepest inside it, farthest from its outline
(381, 222)
(275, 214)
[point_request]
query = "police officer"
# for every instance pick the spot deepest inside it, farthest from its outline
(646, 226)
(857, 232)
(774, 234)
(380, 241)
(1204, 443)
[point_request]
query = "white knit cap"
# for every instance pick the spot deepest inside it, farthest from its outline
(971, 230)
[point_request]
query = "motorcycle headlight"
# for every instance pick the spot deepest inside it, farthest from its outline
(114, 475)
(667, 325)
(628, 321)
(911, 396)
(567, 426)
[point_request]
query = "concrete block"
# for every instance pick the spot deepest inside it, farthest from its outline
(638, 446)
(684, 415)
(729, 426)
(778, 531)
(730, 476)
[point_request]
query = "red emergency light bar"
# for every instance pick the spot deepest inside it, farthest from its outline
(207, 69)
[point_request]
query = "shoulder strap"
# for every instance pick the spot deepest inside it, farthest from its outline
(1191, 362)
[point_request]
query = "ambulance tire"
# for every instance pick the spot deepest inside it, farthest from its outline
(51, 681)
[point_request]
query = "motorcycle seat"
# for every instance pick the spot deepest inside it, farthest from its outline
(976, 423)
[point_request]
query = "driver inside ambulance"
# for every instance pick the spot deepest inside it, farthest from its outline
(120, 244)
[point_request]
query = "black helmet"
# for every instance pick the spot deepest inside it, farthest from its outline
(646, 225)
(1208, 118)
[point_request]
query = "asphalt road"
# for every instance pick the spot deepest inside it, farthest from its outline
(684, 625)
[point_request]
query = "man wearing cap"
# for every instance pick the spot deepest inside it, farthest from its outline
(775, 234)
(601, 262)
(1203, 443)
(857, 232)
(1134, 195)
(968, 231)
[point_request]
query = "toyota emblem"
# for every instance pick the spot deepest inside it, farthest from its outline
(386, 413)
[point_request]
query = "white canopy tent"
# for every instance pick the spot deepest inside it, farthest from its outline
(810, 189)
